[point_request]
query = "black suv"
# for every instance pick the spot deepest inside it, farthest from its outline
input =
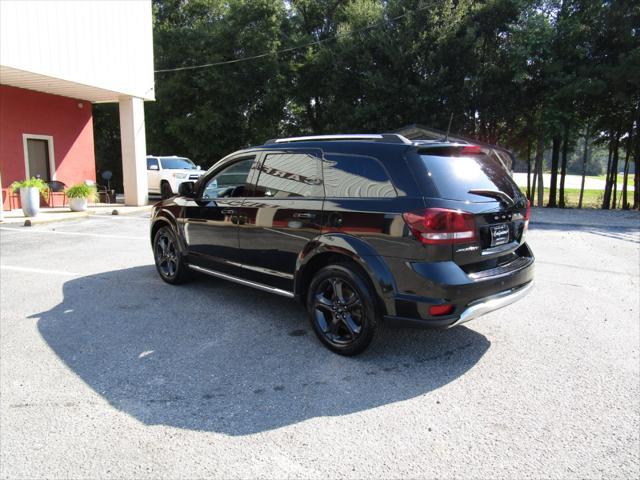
(365, 230)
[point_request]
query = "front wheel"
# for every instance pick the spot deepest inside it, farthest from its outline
(169, 263)
(342, 309)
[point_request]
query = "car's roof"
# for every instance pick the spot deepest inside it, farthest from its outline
(376, 139)
(363, 137)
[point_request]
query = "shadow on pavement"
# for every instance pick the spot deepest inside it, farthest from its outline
(214, 356)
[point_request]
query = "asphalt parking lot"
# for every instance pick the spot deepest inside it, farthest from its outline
(105, 371)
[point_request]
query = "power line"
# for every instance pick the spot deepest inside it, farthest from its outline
(291, 49)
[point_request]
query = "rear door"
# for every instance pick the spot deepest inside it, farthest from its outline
(362, 201)
(465, 178)
(282, 216)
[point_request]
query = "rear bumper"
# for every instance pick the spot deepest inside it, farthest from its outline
(424, 285)
(493, 303)
(473, 311)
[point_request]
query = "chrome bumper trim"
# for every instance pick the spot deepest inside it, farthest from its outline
(494, 302)
(242, 281)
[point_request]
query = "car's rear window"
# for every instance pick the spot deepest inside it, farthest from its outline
(455, 175)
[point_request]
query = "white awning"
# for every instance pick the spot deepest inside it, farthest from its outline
(56, 86)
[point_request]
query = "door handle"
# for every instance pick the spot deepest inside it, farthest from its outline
(304, 215)
(335, 220)
(227, 211)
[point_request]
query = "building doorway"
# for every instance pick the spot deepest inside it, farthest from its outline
(38, 153)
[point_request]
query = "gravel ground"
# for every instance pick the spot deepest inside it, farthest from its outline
(107, 372)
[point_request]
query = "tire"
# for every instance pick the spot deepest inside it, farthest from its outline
(343, 310)
(168, 259)
(165, 190)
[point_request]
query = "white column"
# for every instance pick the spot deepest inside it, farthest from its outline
(2, 204)
(134, 151)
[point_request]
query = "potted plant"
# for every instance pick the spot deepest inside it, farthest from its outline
(30, 191)
(79, 196)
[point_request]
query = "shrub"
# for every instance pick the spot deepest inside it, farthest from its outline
(31, 182)
(81, 190)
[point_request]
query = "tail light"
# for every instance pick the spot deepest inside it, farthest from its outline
(471, 150)
(438, 310)
(441, 226)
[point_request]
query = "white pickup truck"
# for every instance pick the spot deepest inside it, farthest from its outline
(165, 174)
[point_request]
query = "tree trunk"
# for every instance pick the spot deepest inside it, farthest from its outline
(585, 151)
(533, 185)
(563, 168)
(614, 169)
(636, 175)
(539, 170)
(555, 159)
(606, 200)
(636, 154)
(529, 170)
(625, 201)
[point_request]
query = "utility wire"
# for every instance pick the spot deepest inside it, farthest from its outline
(291, 49)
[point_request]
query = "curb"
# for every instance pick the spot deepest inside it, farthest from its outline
(66, 216)
(39, 220)
(121, 210)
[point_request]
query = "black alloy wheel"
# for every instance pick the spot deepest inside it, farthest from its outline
(342, 309)
(167, 256)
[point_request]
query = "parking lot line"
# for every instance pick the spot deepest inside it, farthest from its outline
(83, 234)
(38, 270)
(120, 217)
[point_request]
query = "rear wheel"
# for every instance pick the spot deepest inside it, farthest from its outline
(165, 190)
(169, 263)
(342, 309)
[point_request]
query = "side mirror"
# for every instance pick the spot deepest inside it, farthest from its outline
(154, 167)
(198, 167)
(185, 189)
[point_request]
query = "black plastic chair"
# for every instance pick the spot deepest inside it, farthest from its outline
(104, 195)
(56, 187)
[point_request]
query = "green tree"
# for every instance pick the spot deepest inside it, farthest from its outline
(527, 74)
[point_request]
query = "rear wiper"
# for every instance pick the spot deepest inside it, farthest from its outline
(497, 194)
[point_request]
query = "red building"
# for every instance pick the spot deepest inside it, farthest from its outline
(56, 60)
(46, 135)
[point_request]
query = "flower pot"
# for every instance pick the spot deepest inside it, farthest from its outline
(78, 204)
(30, 201)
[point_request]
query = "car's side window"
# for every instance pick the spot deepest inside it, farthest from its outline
(356, 176)
(229, 182)
(152, 164)
(291, 174)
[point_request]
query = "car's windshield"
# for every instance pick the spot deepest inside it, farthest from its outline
(175, 163)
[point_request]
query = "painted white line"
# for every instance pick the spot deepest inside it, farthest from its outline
(81, 234)
(122, 216)
(38, 271)
(72, 224)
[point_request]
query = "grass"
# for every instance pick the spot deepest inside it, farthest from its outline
(591, 198)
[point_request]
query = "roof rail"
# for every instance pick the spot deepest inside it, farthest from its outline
(384, 137)
(440, 142)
